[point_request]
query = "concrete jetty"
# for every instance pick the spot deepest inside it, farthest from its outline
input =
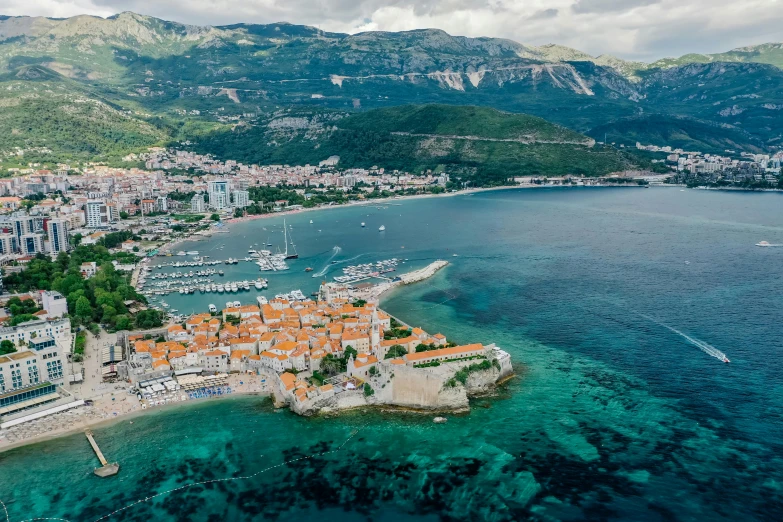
(106, 469)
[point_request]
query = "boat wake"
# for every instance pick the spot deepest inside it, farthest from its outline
(335, 252)
(703, 346)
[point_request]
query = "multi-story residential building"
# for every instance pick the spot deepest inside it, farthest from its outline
(218, 194)
(99, 214)
(8, 244)
(59, 330)
(54, 303)
(147, 206)
(241, 198)
(31, 244)
(58, 235)
(197, 203)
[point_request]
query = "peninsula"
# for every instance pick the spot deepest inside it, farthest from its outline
(339, 351)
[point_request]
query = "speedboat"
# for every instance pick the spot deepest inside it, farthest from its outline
(236, 304)
(382, 228)
(726, 359)
(763, 244)
(212, 308)
(362, 224)
(311, 221)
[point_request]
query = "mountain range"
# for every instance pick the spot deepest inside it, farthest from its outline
(172, 81)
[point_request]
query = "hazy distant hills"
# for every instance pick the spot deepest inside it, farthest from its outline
(163, 72)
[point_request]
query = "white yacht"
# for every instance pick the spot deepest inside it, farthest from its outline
(220, 289)
(363, 224)
(259, 285)
(763, 244)
(234, 287)
(245, 285)
(236, 304)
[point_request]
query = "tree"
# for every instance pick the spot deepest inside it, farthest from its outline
(396, 351)
(124, 215)
(148, 319)
(421, 347)
(215, 217)
(122, 322)
(331, 365)
(368, 391)
(238, 213)
(350, 351)
(83, 309)
(7, 347)
(373, 371)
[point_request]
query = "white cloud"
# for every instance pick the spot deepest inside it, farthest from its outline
(635, 29)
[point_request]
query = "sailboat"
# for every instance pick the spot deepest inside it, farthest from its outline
(295, 255)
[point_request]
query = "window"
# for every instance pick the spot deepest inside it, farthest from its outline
(16, 378)
(54, 369)
(2, 383)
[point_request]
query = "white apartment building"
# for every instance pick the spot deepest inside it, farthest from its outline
(58, 235)
(241, 198)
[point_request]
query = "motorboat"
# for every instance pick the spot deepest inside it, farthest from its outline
(363, 225)
(763, 244)
(212, 308)
(259, 285)
(236, 304)
(382, 228)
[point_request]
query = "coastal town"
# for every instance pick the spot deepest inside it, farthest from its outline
(732, 169)
(87, 336)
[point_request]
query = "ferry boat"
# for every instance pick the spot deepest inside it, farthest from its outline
(382, 228)
(212, 308)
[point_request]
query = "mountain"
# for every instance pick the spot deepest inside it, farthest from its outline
(190, 81)
(54, 118)
(768, 53)
(677, 131)
(486, 144)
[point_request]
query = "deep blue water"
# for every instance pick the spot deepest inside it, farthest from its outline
(613, 416)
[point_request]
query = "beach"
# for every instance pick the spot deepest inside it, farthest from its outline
(111, 407)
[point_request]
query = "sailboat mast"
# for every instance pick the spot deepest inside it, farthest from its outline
(285, 237)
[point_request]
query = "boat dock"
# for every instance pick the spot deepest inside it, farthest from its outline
(106, 469)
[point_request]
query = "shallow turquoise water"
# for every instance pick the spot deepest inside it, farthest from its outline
(613, 416)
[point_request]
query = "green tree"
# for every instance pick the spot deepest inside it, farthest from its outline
(215, 217)
(83, 309)
(122, 322)
(124, 215)
(368, 391)
(396, 351)
(350, 351)
(7, 347)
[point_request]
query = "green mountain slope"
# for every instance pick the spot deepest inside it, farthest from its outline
(191, 78)
(679, 132)
(484, 144)
(55, 119)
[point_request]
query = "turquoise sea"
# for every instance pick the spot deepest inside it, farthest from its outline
(609, 301)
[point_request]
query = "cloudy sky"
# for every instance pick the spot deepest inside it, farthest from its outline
(631, 29)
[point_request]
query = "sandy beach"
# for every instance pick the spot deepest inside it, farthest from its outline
(111, 408)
